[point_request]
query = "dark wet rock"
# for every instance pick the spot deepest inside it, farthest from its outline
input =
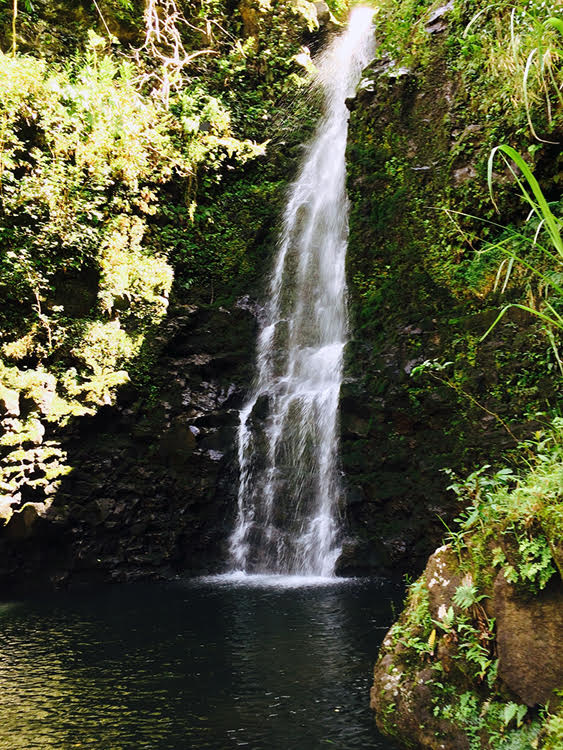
(177, 444)
(400, 72)
(154, 484)
(359, 557)
(261, 408)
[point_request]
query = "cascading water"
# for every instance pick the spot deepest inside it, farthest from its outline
(289, 493)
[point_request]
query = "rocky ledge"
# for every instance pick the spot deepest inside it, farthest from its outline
(152, 485)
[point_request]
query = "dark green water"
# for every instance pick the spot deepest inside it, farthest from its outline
(193, 665)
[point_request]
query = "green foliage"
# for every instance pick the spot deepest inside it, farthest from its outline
(513, 522)
(500, 723)
(509, 51)
(115, 167)
(551, 300)
(422, 254)
(475, 647)
(466, 595)
(414, 628)
(535, 565)
(522, 511)
(553, 738)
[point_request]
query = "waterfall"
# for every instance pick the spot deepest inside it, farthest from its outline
(290, 491)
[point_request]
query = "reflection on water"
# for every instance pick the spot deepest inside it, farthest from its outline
(192, 666)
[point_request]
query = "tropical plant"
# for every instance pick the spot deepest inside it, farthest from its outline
(548, 271)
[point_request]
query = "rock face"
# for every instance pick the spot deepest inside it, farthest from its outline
(529, 637)
(402, 694)
(154, 481)
(413, 146)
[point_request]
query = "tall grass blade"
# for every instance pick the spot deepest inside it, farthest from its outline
(557, 23)
(556, 321)
(542, 208)
(529, 62)
(555, 84)
(548, 280)
(508, 272)
(475, 17)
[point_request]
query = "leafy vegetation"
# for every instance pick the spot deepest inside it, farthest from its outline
(523, 514)
(115, 167)
(551, 291)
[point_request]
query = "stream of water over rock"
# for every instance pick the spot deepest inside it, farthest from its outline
(290, 492)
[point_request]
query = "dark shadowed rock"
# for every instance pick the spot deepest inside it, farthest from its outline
(154, 483)
(21, 523)
(177, 444)
(529, 638)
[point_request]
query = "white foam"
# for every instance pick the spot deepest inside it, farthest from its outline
(266, 580)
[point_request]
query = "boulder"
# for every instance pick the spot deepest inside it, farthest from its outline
(177, 444)
(442, 579)
(529, 636)
(403, 705)
(436, 21)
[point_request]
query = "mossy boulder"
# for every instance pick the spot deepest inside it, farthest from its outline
(475, 655)
(428, 693)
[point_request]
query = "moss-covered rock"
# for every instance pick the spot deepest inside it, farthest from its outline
(422, 392)
(476, 651)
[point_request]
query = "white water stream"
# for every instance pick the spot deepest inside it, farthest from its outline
(290, 493)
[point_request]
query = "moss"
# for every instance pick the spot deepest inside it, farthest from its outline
(422, 266)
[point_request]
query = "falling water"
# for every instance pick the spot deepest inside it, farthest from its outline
(289, 493)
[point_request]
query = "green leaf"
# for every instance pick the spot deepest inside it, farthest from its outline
(557, 23)
(509, 712)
